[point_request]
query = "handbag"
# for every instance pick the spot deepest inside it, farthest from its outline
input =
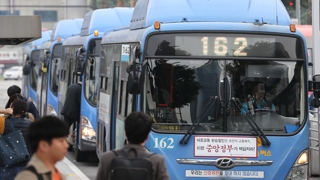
(13, 148)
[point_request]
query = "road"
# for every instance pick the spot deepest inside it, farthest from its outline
(74, 170)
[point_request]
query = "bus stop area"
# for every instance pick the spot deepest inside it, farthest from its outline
(70, 170)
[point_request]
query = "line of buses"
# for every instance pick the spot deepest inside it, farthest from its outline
(190, 65)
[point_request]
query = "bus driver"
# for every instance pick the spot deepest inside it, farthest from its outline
(257, 101)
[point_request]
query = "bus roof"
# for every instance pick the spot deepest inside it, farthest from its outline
(45, 37)
(66, 28)
(146, 12)
(103, 19)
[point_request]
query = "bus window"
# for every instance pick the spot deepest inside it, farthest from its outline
(33, 77)
(92, 72)
(54, 74)
(35, 70)
(179, 92)
(91, 81)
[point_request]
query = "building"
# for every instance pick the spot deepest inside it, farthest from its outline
(50, 12)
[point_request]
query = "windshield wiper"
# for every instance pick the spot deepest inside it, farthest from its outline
(253, 124)
(191, 130)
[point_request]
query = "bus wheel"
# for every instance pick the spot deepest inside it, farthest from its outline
(81, 156)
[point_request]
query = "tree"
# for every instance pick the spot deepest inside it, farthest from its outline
(98, 4)
(120, 3)
(309, 20)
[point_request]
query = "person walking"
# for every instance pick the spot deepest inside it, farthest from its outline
(47, 138)
(19, 107)
(31, 107)
(137, 129)
(71, 107)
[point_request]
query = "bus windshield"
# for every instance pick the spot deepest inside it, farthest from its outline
(222, 95)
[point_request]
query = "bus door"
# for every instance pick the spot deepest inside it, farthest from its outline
(67, 67)
(121, 100)
(26, 64)
(33, 76)
(44, 58)
(53, 73)
(114, 103)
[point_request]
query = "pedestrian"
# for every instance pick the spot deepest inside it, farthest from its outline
(19, 96)
(71, 107)
(31, 107)
(19, 108)
(47, 138)
(137, 129)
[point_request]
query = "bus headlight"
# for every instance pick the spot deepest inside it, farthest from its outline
(51, 111)
(87, 131)
(299, 171)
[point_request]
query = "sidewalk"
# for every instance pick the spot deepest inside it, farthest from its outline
(70, 170)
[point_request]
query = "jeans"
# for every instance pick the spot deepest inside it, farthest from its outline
(10, 172)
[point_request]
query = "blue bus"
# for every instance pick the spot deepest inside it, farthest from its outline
(191, 65)
(50, 57)
(31, 61)
(81, 55)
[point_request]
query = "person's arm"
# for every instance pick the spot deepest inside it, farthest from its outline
(30, 116)
(244, 109)
(162, 172)
(103, 167)
(6, 111)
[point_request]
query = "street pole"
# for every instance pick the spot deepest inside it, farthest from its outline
(298, 12)
(315, 52)
(65, 9)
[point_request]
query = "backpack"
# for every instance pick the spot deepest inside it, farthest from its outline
(125, 167)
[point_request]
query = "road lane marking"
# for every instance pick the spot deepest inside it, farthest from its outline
(76, 171)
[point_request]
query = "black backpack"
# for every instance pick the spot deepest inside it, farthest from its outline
(125, 167)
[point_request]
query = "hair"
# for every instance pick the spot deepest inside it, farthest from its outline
(46, 129)
(13, 89)
(12, 98)
(255, 86)
(19, 107)
(137, 127)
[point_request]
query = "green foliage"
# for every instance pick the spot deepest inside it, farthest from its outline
(292, 10)
(111, 3)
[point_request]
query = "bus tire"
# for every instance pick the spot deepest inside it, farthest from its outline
(81, 156)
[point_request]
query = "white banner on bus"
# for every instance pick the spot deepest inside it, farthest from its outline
(231, 174)
(225, 146)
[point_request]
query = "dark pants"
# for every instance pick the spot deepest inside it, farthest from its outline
(68, 120)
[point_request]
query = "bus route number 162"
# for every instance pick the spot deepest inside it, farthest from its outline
(163, 143)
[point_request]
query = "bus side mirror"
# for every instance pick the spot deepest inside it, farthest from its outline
(316, 91)
(80, 63)
(45, 63)
(134, 78)
(26, 68)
